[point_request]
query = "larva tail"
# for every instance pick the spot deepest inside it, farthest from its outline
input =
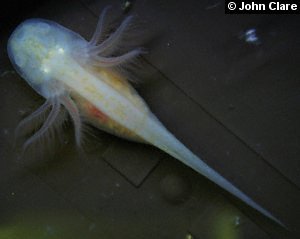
(168, 143)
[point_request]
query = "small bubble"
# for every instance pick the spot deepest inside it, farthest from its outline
(189, 236)
(127, 5)
(237, 221)
(250, 36)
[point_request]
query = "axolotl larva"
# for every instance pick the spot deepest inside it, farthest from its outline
(78, 75)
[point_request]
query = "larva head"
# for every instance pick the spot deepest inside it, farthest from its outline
(35, 46)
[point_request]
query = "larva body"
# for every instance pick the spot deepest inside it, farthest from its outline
(79, 75)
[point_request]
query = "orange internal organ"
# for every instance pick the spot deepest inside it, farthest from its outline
(95, 112)
(100, 120)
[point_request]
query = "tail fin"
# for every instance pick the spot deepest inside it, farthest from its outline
(168, 143)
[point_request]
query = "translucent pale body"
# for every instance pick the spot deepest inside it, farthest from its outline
(70, 71)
